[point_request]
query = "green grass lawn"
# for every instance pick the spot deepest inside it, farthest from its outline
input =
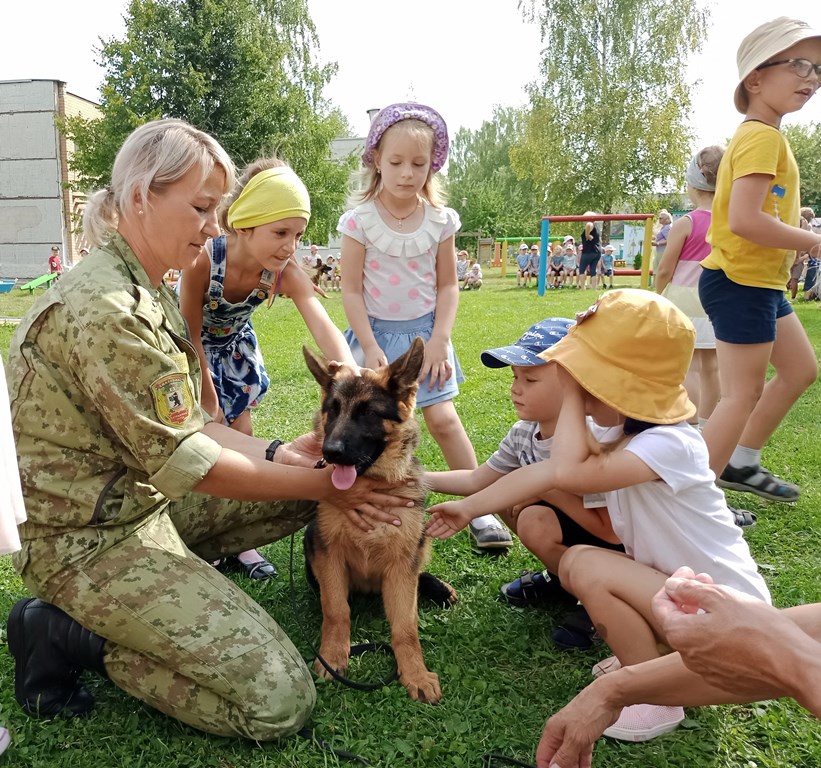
(500, 674)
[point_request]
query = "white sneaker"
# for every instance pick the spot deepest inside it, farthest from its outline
(641, 722)
(5, 740)
(487, 534)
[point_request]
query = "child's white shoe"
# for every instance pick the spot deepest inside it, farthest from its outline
(641, 722)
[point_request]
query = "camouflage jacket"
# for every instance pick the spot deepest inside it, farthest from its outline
(105, 388)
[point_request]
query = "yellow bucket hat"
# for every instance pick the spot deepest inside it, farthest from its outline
(272, 195)
(631, 350)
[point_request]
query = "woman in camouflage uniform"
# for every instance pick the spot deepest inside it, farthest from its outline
(131, 489)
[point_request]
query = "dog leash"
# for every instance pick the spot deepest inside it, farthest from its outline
(490, 761)
(356, 650)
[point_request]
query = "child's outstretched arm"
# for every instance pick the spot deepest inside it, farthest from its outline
(679, 232)
(747, 219)
(329, 339)
(447, 302)
(528, 482)
(353, 269)
(461, 482)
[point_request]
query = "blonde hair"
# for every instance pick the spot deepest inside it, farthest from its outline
(252, 169)
(808, 214)
(588, 226)
(708, 161)
(664, 213)
(152, 158)
(369, 180)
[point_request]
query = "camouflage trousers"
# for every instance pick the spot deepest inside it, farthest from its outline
(180, 636)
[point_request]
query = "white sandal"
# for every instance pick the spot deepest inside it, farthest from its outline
(610, 664)
(5, 740)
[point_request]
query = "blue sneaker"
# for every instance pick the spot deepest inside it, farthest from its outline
(535, 588)
(576, 632)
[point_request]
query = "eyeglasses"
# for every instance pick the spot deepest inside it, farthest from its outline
(535, 250)
(801, 67)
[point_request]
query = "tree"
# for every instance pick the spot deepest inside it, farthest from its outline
(609, 110)
(241, 70)
(479, 171)
(805, 141)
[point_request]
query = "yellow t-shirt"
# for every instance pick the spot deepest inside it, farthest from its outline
(755, 148)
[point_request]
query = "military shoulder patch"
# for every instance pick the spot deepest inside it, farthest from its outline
(173, 401)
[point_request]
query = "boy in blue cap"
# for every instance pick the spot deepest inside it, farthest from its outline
(549, 525)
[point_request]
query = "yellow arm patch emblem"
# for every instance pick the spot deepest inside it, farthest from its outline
(173, 401)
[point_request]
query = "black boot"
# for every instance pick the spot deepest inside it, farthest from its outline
(50, 651)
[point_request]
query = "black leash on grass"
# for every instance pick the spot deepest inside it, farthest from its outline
(356, 650)
(488, 761)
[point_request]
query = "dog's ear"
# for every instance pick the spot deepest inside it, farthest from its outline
(318, 366)
(404, 371)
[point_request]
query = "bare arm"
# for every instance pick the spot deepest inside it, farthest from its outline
(193, 290)
(595, 520)
(462, 482)
(242, 473)
(573, 464)
(747, 219)
(353, 300)
(679, 233)
(529, 482)
(787, 642)
(329, 339)
(781, 653)
(447, 302)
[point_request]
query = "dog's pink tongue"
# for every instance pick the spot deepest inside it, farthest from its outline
(343, 477)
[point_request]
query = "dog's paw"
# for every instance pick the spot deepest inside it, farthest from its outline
(423, 687)
(337, 661)
(439, 592)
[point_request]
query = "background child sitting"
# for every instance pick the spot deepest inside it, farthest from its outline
(473, 280)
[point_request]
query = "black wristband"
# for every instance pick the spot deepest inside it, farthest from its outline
(271, 450)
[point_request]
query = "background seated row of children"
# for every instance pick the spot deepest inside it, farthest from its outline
(616, 383)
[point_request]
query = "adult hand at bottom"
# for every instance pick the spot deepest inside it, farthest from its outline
(568, 736)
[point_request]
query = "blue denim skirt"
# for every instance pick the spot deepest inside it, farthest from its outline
(394, 338)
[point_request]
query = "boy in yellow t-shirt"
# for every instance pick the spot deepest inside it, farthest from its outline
(754, 235)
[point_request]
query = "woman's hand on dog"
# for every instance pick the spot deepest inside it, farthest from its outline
(365, 505)
(448, 518)
(303, 451)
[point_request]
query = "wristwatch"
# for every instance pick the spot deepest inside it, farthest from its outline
(271, 450)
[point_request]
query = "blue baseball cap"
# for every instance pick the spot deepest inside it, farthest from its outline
(535, 339)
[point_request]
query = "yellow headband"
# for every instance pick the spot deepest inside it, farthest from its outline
(271, 195)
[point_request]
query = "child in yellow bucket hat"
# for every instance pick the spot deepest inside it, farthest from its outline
(623, 364)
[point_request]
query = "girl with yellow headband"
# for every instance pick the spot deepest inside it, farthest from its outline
(263, 221)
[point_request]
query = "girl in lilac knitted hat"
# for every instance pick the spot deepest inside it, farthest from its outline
(399, 275)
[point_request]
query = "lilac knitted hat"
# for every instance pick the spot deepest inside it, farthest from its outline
(409, 111)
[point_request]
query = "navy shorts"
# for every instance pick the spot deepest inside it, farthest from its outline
(573, 533)
(741, 314)
(589, 263)
(811, 276)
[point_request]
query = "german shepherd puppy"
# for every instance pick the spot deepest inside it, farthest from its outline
(367, 426)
